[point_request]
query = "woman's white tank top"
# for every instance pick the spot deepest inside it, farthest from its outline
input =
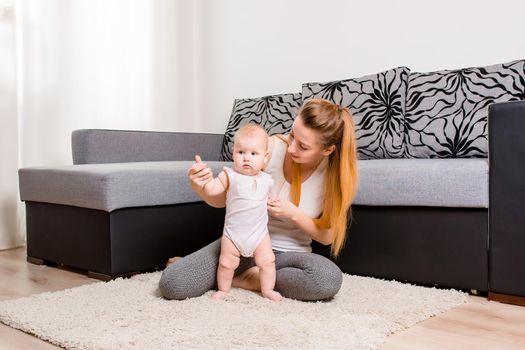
(283, 232)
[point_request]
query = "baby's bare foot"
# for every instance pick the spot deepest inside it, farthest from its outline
(173, 260)
(219, 295)
(272, 295)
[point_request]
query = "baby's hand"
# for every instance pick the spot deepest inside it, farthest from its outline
(199, 174)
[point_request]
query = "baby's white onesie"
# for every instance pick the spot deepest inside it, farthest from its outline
(246, 220)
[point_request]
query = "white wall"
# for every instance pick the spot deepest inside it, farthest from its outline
(177, 65)
(257, 48)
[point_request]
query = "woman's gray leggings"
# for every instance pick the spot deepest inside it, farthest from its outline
(302, 276)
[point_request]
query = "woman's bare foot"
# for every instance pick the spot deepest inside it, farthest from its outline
(249, 280)
(272, 295)
(219, 295)
(173, 260)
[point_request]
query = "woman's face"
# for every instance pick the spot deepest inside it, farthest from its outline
(305, 144)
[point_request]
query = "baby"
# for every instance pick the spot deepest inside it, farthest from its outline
(245, 225)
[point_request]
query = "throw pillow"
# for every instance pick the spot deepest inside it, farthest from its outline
(446, 112)
(274, 113)
(377, 103)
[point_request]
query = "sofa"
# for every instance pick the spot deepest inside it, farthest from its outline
(441, 193)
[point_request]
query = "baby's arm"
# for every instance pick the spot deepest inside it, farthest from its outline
(217, 185)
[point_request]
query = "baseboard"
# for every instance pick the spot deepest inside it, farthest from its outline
(35, 261)
(507, 298)
(106, 278)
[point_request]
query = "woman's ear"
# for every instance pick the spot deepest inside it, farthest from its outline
(328, 150)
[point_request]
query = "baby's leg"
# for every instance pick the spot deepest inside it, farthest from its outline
(265, 259)
(228, 262)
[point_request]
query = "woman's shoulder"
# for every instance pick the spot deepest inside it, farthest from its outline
(277, 146)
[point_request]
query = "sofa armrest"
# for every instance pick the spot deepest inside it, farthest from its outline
(92, 146)
(507, 197)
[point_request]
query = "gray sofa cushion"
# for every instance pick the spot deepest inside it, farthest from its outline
(93, 146)
(446, 111)
(274, 113)
(377, 103)
(111, 186)
(424, 182)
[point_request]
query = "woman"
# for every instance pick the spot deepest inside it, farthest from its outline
(315, 180)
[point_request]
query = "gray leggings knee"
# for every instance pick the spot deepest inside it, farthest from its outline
(302, 276)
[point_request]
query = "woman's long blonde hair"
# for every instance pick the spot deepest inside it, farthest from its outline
(335, 127)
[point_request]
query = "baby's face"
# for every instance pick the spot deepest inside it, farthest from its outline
(249, 153)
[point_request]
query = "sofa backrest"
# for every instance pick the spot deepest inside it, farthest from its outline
(446, 111)
(398, 113)
(377, 103)
(95, 146)
(274, 113)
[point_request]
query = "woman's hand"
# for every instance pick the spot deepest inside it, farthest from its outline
(199, 175)
(282, 209)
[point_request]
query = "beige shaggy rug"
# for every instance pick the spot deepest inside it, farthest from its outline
(129, 314)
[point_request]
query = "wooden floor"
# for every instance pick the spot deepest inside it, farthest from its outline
(478, 324)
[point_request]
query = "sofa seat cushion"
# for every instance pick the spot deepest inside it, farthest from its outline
(424, 182)
(382, 182)
(111, 186)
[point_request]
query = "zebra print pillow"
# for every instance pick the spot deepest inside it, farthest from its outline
(274, 113)
(377, 103)
(446, 112)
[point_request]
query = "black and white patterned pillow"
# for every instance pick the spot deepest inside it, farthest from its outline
(377, 103)
(446, 112)
(274, 113)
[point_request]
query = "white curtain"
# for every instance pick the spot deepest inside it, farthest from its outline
(10, 234)
(72, 64)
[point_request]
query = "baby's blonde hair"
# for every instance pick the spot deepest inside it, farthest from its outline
(251, 129)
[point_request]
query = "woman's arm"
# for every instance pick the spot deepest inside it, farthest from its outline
(286, 209)
(199, 175)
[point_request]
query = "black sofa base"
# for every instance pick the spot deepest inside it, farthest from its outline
(425, 245)
(120, 243)
(507, 198)
(431, 246)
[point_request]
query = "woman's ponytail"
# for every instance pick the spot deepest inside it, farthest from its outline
(335, 127)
